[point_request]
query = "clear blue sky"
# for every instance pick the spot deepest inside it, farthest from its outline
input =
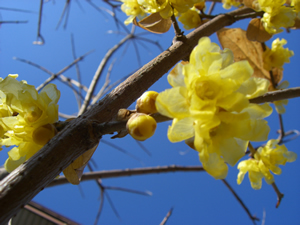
(196, 197)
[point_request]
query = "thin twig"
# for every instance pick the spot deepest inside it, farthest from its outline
(146, 193)
(253, 218)
(164, 221)
(39, 36)
(281, 132)
(278, 193)
(211, 8)
(129, 172)
(288, 133)
(107, 81)
(66, 7)
(65, 116)
(54, 76)
(16, 21)
(121, 150)
(17, 10)
(61, 77)
(178, 33)
(112, 206)
(102, 190)
(77, 73)
(99, 72)
(143, 147)
(100, 207)
(100, 93)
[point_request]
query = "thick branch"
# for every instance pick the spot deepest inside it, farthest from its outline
(31, 177)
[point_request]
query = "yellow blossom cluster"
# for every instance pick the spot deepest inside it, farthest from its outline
(266, 159)
(277, 55)
(183, 9)
(227, 4)
(209, 104)
(275, 58)
(277, 15)
(26, 118)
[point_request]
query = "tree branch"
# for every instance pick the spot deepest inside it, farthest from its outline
(31, 177)
(128, 172)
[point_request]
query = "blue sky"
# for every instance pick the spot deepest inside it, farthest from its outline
(197, 198)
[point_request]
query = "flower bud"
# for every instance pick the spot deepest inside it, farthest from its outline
(146, 103)
(141, 126)
(43, 134)
(124, 114)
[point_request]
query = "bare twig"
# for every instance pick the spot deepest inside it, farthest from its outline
(106, 83)
(211, 8)
(253, 218)
(61, 77)
(146, 193)
(278, 193)
(107, 89)
(99, 72)
(178, 32)
(65, 116)
(39, 36)
(17, 10)
(277, 95)
(54, 76)
(129, 172)
(281, 133)
(66, 11)
(143, 147)
(288, 133)
(100, 207)
(77, 73)
(121, 150)
(164, 221)
(16, 21)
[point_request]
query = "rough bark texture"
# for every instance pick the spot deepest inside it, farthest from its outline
(30, 178)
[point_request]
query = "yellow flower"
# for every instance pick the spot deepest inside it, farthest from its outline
(277, 55)
(265, 159)
(154, 6)
(26, 118)
(296, 4)
(209, 102)
(255, 175)
(276, 15)
(227, 4)
(132, 9)
(273, 155)
(190, 19)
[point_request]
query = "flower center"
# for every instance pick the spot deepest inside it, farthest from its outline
(206, 90)
(33, 114)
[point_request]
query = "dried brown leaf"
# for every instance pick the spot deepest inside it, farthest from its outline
(243, 49)
(277, 75)
(74, 171)
(154, 23)
(257, 32)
